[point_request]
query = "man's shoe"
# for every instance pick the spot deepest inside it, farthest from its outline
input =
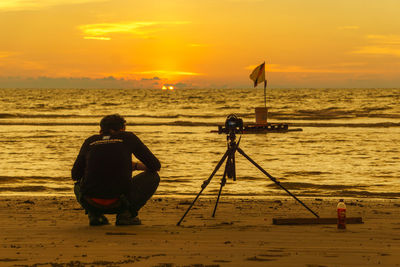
(96, 220)
(126, 218)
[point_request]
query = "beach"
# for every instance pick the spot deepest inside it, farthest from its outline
(54, 231)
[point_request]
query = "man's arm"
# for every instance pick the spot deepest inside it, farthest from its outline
(78, 170)
(143, 153)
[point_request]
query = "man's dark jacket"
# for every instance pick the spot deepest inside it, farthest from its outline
(104, 164)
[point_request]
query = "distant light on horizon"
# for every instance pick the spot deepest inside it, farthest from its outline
(168, 87)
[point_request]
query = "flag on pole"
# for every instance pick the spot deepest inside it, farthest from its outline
(258, 75)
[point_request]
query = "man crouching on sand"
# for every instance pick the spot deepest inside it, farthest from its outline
(103, 174)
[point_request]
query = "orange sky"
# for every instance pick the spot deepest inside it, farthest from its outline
(207, 43)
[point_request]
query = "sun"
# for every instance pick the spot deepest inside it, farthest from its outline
(168, 87)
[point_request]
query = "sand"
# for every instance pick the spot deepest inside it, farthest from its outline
(54, 231)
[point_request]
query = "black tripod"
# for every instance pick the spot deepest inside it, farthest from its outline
(230, 171)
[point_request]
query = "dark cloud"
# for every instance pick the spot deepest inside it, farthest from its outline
(151, 79)
(80, 82)
(179, 85)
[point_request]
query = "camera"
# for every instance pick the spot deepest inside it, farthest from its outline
(233, 124)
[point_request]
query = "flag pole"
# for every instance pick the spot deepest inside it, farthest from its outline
(265, 93)
(265, 88)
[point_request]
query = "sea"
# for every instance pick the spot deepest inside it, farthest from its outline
(348, 146)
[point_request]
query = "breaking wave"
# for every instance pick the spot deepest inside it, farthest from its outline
(202, 123)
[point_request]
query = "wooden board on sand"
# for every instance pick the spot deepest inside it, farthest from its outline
(299, 221)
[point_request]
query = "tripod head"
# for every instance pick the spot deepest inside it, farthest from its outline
(233, 125)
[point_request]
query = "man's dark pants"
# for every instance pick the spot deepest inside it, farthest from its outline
(142, 188)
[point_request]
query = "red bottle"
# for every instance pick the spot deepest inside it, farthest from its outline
(341, 215)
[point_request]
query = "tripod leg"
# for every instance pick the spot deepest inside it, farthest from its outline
(223, 182)
(204, 185)
(231, 166)
(230, 171)
(274, 180)
(234, 166)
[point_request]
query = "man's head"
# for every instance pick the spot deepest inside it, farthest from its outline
(111, 123)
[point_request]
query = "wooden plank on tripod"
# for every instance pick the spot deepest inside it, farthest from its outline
(300, 221)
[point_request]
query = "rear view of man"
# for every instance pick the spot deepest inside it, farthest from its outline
(103, 174)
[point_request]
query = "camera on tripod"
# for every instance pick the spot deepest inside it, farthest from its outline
(233, 124)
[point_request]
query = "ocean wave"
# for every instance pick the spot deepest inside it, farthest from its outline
(166, 116)
(174, 123)
(8, 179)
(203, 123)
(176, 180)
(30, 115)
(306, 115)
(349, 193)
(250, 178)
(302, 186)
(34, 188)
(354, 125)
(305, 173)
(309, 189)
(333, 113)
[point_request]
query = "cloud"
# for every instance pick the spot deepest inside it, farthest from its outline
(300, 69)
(108, 82)
(179, 85)
(349, 28)
(252, 67)
(170, 73)
(151, 79)
(4, 54)
(384, 39)
(141, 29)
(381, 45)
(345, 67)
(78, 82)
(378, 50)
(245, 1)
(18, 5)
(97, 38)
(15, 63)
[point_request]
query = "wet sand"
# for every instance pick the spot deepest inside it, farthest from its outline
(54, 231)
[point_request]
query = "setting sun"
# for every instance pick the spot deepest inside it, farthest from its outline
(168, 87)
